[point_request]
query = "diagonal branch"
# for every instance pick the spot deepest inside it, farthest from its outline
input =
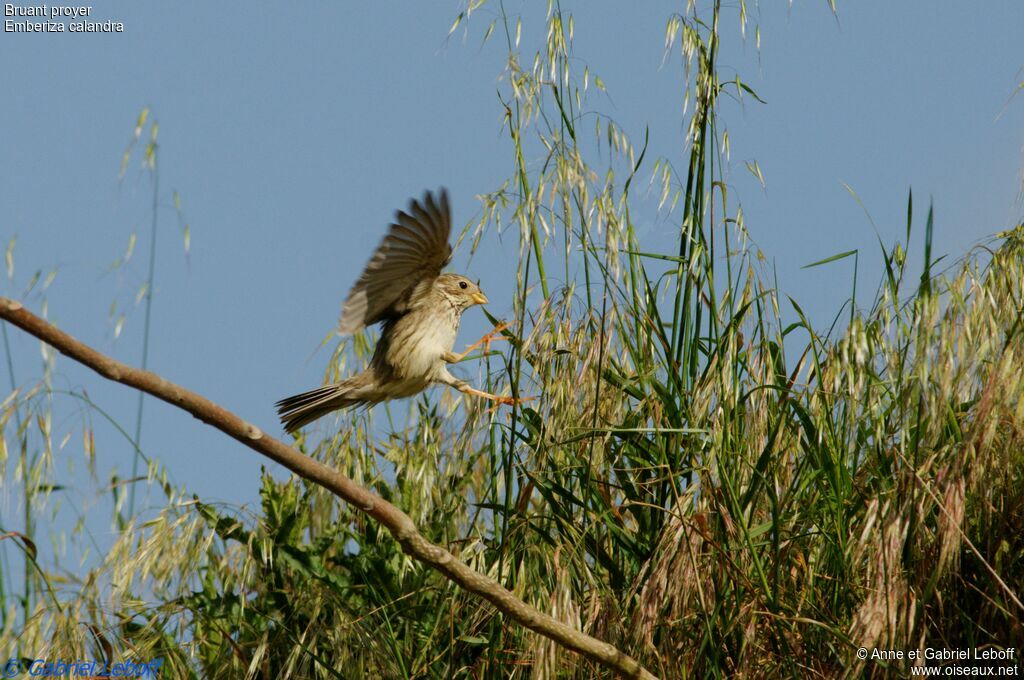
(396, 521)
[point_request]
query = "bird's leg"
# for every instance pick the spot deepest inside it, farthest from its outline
(464, 387)
(485, 341)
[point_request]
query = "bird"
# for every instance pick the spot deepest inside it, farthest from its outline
(419, 309)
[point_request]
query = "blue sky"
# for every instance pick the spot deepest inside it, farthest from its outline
(292, 133)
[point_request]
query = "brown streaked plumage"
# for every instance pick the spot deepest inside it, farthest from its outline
(419, 309)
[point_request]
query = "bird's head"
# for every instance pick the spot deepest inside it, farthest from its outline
(462, 292)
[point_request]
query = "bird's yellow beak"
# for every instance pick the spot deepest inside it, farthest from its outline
(479, 298)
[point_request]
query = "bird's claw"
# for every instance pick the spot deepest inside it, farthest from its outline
(487, 339)
(507, 401)
(498, 400)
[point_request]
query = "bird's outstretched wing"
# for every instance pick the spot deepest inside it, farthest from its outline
(414, 251)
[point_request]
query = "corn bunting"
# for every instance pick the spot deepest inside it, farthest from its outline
(419, 309)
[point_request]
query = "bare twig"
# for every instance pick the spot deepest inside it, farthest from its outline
(396, 521)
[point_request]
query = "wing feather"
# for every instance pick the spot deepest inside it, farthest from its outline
(415, 249)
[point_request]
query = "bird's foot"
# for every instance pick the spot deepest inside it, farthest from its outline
(508, 401)
(484, 343)
(497, 399)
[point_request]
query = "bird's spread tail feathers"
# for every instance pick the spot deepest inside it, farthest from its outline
(302, 409)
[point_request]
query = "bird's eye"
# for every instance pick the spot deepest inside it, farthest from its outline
(463, 285)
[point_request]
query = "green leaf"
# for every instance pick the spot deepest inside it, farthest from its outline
(831, 258)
